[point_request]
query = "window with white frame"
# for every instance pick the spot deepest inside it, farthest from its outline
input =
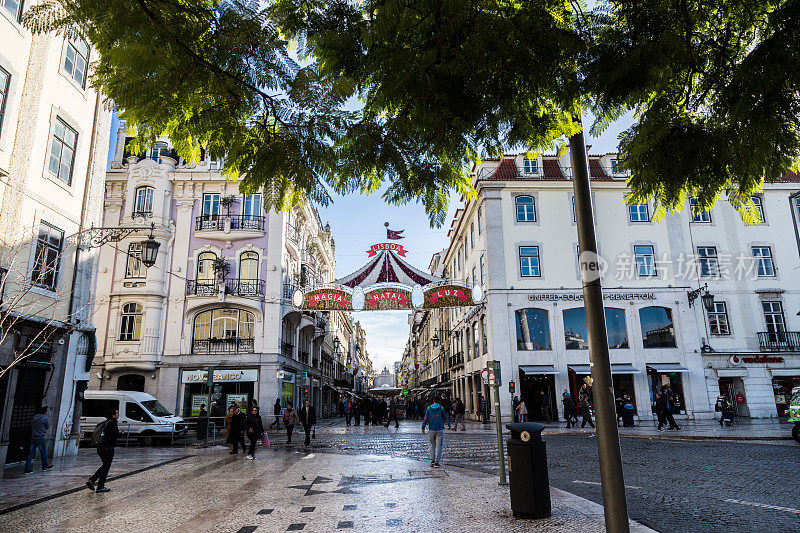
(476, 338)
(701, 216)
(718, 323)
(130, 327)
(645, 260)
(773, 318)
(459, 260)
(205, 268)
(638, 213)
(62, 151)
(47, 260)
(14, 7)
(483, 268)
(526, 209)
(529, 261)
(211, 205)
(574, 211)
(757, 200)
(474, 276)
(472, 235)
(251, 206)
(530, 166)
(248, 266)
(709, 263)
(143, 203)
(76, 60)
(5, 83)
(135, 268)
(480, 220)
(615, 168)
(765, 267)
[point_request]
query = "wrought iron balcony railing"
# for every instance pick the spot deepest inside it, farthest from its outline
(783, 341)
(222, 346)
(201, 288)
(245, 287)
(237, 222)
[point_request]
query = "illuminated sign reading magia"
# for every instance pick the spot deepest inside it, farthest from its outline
(328, 300)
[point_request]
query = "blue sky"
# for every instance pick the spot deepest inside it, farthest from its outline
(357, 222)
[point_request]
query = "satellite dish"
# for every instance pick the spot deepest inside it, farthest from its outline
(417, 296)
(358, 299)
(297, 298)
(477, 293)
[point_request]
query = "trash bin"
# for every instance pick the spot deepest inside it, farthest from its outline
(527, 464)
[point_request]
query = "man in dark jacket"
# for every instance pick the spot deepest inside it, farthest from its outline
(392, 414)
(238, 425)
(276, 410)
(664, 406)
(447, 405)
(255, 428)
(39, 427)
(308, 417)
(106, 452)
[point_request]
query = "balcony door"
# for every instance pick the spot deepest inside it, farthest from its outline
(251, 206)
(774, 320)
(211, 206)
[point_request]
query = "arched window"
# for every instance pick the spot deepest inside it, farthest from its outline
(133, 382)
(205, 268)
(223, 331)
(658, 330)
(143, 202)
(577, 338)
(130, 328)
(533, 329)
(526, 209)
(248, 266)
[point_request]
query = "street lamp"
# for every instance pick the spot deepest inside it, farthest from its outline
(435, 340)
(707, 297)
(150, 249)
(336, 343)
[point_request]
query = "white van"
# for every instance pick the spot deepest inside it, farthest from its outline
(140, 415)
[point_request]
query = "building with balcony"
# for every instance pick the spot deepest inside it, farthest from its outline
(219, 295)
(54, 131)
(518, 240)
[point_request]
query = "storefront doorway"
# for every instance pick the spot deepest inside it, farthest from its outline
(27, 399)
(658, 379)
(231, 386)
(623, 383)
(733, 388)
(531, 388)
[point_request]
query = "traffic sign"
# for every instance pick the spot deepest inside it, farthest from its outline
(485, 376)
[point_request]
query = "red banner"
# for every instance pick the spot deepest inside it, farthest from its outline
(444, 293)
(328, 300)
(376, 297)
(390, 246)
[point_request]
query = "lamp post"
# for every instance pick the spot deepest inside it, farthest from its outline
(707, 297)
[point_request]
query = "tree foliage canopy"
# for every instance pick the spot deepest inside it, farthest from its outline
(441, 83)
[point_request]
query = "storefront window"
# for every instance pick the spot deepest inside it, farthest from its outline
(223, 330)
(533, 329)
(658, 331)
(576, 336)
(782, 388)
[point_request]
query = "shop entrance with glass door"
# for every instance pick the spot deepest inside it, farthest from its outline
(731, 388)
(531, 388)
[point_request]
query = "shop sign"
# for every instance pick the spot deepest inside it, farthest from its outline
(328, 300)
(758, 359)
(390, 246)
(197, 401)
(220, 375)
(286, 377)
(384, 299)
(578, 296)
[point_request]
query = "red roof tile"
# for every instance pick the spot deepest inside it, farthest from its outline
(551, 169)
(596, 170)
(790, 177)
(506, 170)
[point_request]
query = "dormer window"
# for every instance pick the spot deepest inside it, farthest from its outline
(530, 166)
(615, 168)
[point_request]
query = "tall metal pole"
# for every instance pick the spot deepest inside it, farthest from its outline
(210, 379)
(613, 485)
(492, 367)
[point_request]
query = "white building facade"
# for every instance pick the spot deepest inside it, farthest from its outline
(54, 130)
(219, 295)
(518, 240)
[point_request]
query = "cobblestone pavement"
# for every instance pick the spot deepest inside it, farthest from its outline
(703, 486)
(288, 489)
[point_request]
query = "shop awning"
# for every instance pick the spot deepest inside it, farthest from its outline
(785, 371)
(666, 368)
(539, 369)
(731, 372)
(616, 368)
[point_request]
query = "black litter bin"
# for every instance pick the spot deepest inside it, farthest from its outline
(527, 462)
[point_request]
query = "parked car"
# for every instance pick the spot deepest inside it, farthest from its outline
(140, 415)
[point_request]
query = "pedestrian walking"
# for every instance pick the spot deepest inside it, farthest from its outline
(522, 411)
(276, 411)
(484, 409)
(357, 412)
(255, 428)
(105, 437)
(665, 406)
(514, 406)
(308, 416)
(39, 426)
(628, 410)
(202, 422)
(544, 406)
(458, 414)
(393, 414)
(347, 410)
(435, 417)
(725, 409)
(447, 405)
(289, 420)
(569, 410)
(586, 413)
(237, 429)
